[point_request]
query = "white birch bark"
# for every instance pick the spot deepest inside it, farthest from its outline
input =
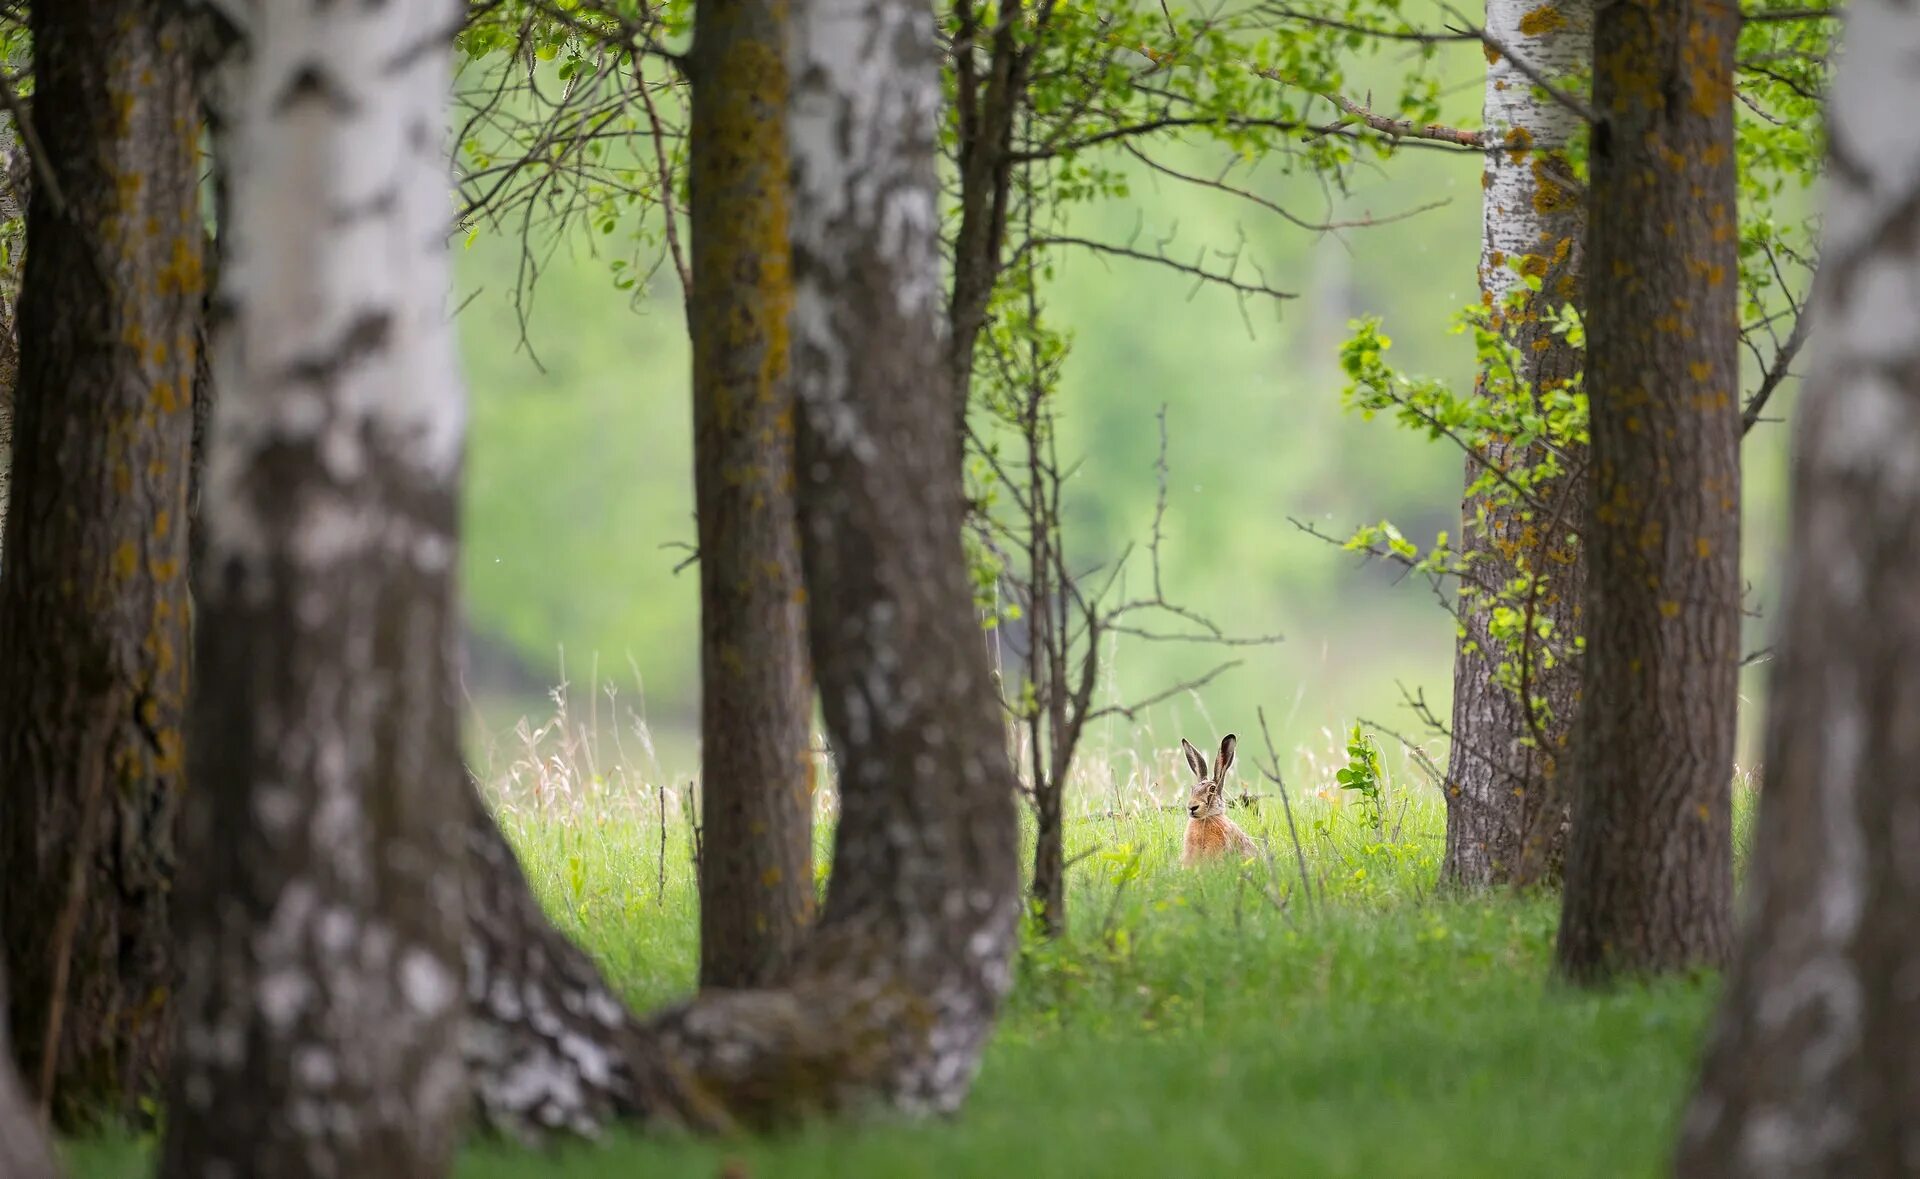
(1814, 1062)
(1503, 819)
(322, 913)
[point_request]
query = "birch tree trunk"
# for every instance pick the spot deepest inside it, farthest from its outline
(925, 895)
(1506, 812)
(321, 899)
(756, 704)
(1649, 877)
(895, 991)
(893, 996)
(93, 605)
(1814, 1062)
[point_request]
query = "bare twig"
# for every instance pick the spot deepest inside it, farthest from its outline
(1407, 128)
(1273, 775)
(36, 150)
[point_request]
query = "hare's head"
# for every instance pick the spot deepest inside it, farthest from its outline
(1209, 793)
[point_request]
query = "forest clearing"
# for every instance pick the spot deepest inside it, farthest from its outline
(1217, 1021)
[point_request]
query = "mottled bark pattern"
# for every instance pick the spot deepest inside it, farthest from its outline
(548, 1045)
(756, 779)
(893, 996)
(93, 607)
(322, 887)
(1814, 1066)
(1649, 878)
(1506, 807)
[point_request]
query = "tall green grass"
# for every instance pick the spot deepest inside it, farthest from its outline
(1233, 1020)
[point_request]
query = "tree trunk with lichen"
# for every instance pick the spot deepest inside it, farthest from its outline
(1506, 810)
(1649, 876)
(1813, 1068)
(322, 894)
(890, 998)
(93, 607)
(893, 995)
(756, 871)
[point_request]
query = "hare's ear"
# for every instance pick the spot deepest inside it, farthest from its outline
(1228, 744)
(1194, 759)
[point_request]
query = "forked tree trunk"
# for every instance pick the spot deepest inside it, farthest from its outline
(322, 894)
(1814, 1064)
(1649, 878)
(93, 605)
(1506, 809)
(756, 703)
(894, 994)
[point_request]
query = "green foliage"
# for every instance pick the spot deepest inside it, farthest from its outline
(1366, 778)
(1521, 433)
(1535, 429)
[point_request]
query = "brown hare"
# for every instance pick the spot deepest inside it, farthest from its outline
(1210, 834)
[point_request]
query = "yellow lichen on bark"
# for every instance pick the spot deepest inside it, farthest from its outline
(1545, 19)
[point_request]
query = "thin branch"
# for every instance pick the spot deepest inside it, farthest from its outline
(1775, 15)
(1195, 270)
(1776, 374)
(1407, 128)
(36, 151)
(1286, 804)
(1527, 69)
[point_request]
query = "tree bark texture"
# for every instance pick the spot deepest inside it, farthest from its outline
(13, 207)
(93, 607)
(25, 1152)
(892, 997)
(756, 781)
(918, 933)
(1506, 809)
(1814, 1063)
(985, 103)
(1649, 877)
(322, 894)
(549, 1047)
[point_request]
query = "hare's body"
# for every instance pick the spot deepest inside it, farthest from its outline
(1210, 834)
(1211, 838)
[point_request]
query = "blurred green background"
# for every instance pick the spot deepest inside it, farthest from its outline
(580, 500)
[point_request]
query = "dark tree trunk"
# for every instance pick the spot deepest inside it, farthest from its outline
(1649, 878)
(1814, 1063)
(93, 607)
(13, 206)
(321, 899)
(756, 872)
(1506, 810)
(893, 996)
(985, 104)
(25, 1152)
(1050, 858)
